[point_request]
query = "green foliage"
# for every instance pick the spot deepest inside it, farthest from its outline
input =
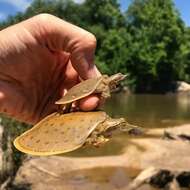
(103, 12)
(157, 33)
(115, 55)
(185, 54)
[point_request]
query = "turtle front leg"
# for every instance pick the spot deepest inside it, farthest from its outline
(96, 140)
(100, 141)
(104, 90)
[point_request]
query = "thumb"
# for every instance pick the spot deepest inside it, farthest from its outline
(82, 57)
(60, 35)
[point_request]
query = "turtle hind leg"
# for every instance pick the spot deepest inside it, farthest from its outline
(96, 140)
(100, 141)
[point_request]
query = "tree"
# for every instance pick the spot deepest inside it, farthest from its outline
(185, 49)
(114, 51)
(104, 12)
(157, 32)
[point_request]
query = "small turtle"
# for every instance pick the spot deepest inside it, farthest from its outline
(102, 85)
(60, 133)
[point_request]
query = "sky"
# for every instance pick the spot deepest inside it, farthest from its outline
(11, 7)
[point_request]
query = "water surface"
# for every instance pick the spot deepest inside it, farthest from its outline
(151, 111)
(147, 111)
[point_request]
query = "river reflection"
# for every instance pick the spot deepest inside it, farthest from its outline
(150, 111)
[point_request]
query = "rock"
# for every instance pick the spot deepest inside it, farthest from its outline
(73, 173)
(109, 172)
(182, 86)
(143, 177)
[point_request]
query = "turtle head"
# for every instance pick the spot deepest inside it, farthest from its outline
(114, 126)
(132, 129)
(113, 80)
(111, 126)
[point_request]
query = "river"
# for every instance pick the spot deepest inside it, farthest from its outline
(147, 111)
(151, 111)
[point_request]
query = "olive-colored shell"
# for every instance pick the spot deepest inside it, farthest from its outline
(80, 90)
(59, 133)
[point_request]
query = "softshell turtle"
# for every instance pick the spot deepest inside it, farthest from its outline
(102, 85)
(60, 133)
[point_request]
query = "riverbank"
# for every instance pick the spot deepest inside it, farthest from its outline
(163, 149)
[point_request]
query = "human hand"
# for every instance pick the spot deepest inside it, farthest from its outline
(40, 59)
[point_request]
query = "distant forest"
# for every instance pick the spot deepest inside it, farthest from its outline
(149, 41)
